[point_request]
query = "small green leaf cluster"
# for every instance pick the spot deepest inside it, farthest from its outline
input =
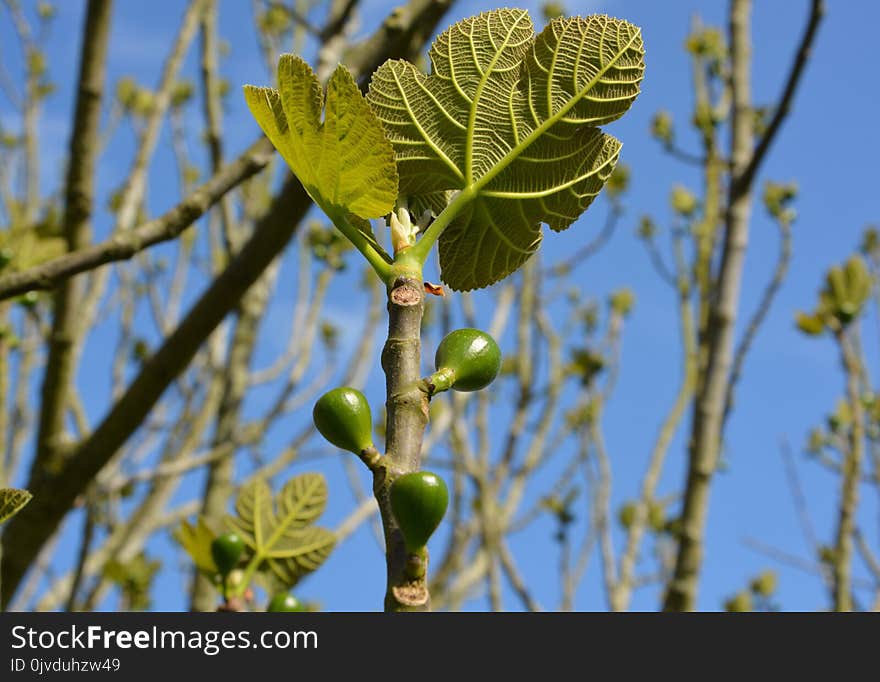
(181, 93)
(618, 182)
(655, 515)
(38, 71)
(683, 201)
(587, 364)
(622, 301)
(756, 597)
(583, 415)
(778, 198)
(134, 99)
(270, 539)
(647, 228)
(46, 11)
(12, 501)
(709, 51)
(707, 42)
(275, 21)
(590, 359)
(552, 10)
(741, 602)
(134, 578)
(847, 289)
(26, 244)
(838, 426)
(561, 506)
(662, 128)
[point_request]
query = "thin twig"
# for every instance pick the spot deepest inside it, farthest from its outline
(760, 314)
(783, 106)
(126, 244)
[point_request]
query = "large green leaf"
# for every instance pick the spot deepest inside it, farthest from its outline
(11, 502)
(509, 118)
(345, 162)
(278, 532)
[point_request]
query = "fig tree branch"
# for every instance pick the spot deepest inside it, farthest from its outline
(842, 556)
(705, 440)
(760, 314)
(126, 244)
(712, 398)
(401, 35)
(783, 105)
(79, 191)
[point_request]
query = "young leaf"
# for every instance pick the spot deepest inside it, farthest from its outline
(345, 163)
(508, 119)
(28, 247)
(279, 532)
(11, 502)
(196, 541)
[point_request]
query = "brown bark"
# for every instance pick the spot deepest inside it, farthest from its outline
(407, 417)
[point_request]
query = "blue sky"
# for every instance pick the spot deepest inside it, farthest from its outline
(829, 147)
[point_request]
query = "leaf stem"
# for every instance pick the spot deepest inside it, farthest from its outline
(247, 575)
(422, 248)
(375, 254)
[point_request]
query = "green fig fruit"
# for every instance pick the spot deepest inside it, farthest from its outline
(418, 502)
(283, 602)
(466, 360)
(343, 417)
(226, 550)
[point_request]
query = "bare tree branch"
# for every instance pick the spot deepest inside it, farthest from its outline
(77, 231)
(124, 245)
(705, 438)
(783, 106)
(760, 314)
(54, 495)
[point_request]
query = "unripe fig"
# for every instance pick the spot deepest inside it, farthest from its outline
(226, 550)
(418, 502)
(466, 360)
(284, 601)
(343, 417)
